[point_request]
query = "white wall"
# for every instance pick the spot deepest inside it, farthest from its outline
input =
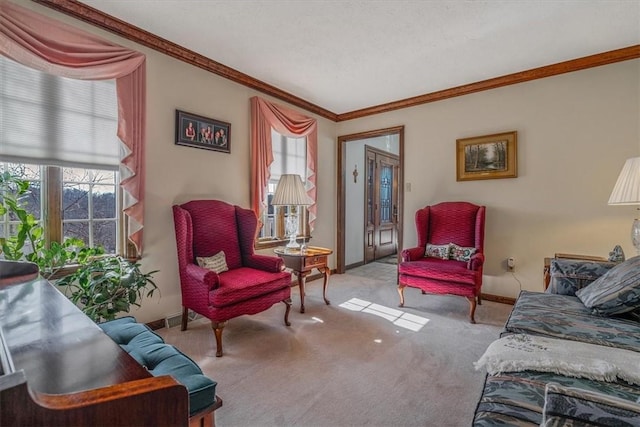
(574, 133)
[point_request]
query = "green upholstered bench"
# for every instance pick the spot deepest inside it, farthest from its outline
(159, 358)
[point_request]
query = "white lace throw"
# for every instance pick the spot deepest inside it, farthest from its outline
(515, 353)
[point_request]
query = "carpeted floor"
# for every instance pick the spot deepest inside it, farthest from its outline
(360, 361)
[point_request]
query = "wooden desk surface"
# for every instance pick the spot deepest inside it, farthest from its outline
(60, 349)
(309, 251)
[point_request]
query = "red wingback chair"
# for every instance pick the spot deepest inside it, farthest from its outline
(253, 282)
(458, 223)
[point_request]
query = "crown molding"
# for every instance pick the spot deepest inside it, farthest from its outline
(618, 55)
(130, 32)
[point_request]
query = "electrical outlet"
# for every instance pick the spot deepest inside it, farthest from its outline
(511, 263)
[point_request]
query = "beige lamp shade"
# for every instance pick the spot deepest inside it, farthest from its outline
(627, 188)
(290, 191)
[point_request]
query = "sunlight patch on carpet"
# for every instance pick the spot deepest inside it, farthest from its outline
(395, 316)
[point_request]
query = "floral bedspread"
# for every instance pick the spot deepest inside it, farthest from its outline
(565, 317)
(517, 398)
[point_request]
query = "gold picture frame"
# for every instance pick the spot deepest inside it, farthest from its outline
(487, 157)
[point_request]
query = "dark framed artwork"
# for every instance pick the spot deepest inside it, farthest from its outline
(487, 157)
(197, 131)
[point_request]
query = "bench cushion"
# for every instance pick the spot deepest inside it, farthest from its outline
(159, 358)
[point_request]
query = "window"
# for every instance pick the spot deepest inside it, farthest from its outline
(80, 203)
(60, 135)
(282, 141)
(289, 157)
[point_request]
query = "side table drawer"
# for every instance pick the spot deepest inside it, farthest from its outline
(315, 261)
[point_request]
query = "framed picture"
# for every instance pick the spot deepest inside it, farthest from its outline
(201, 132)
(487, 157)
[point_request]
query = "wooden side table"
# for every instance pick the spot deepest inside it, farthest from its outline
(547, 264)
(302, 262)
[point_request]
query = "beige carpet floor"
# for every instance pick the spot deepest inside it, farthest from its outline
(360, 361)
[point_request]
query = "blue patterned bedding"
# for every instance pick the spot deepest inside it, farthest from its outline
(517, 398)
(562, 316)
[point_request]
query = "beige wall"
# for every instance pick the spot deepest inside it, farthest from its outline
(176, 174)
(575, 131)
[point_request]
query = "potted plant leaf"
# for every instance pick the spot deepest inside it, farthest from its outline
(105, 286)
(102, 286)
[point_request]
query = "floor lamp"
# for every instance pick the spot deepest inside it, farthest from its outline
(290, 192)
(627, 192)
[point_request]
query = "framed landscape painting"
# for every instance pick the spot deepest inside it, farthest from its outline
(201, 132)
(487, 157)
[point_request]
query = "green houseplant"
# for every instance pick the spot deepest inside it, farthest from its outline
(28, 232)
(102, 286)
(105, 286)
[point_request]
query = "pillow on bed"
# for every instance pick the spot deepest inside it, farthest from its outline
(615, 292)
(217, 263)
(438, 251)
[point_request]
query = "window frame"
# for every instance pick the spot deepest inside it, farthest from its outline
(280, 212)
(51, 219)
(266, 116)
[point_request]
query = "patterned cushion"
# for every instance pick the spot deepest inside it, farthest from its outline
(570, 275)
(615, 292)
(578, 407)
(217, 263)
(438, 251)
(461, 253)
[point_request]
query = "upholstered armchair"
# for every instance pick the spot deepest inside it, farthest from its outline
(220, 275)
(449, 256)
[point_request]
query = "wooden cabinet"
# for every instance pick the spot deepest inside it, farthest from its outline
(59, 368)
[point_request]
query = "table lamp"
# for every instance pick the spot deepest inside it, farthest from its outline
(627, 192)
(290, 191)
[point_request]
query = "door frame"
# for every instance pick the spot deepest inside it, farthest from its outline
(342, 173)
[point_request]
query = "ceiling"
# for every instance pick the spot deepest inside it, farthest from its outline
(346, 55)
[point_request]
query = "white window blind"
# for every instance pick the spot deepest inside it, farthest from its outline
(54, 120)
(289, 156)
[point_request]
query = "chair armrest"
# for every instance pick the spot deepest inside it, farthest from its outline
(198, 275)
(570, 275)
(476, 262)
(264, 262)
(412, 254)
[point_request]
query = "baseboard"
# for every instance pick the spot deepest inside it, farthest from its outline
(354, 265)
(171, 321)
(156, 324)
(498, 298)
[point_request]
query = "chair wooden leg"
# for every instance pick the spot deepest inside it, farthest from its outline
(286, 313)
(217, 330)
(472, 309)
(206, 420)
(401, 293)
(479, 298)
(185, 318)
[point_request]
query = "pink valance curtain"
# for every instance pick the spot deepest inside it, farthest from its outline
(264, 116)
(51, 46)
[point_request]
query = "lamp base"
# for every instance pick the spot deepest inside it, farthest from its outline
(293, 243)
(292, 231)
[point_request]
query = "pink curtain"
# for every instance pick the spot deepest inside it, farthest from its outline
(56, 48)
(264, 116)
